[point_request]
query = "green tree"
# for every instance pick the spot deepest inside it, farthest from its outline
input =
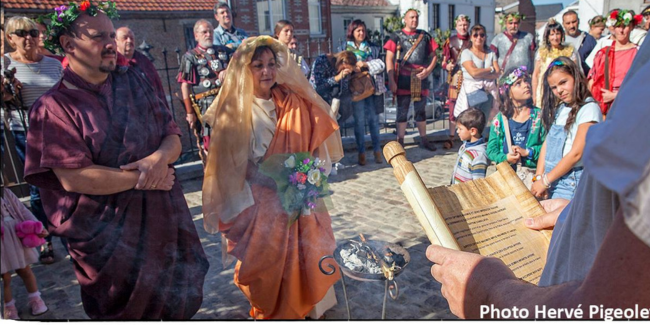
(393, 24)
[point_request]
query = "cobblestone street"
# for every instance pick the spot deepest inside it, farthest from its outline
(366, 199)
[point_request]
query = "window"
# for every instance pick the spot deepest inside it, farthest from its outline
(452, 15)
(477, 15)
(379, 25)
(190, 42)
(315, 23)
(436, 15)
(346, 22)
(268, 13)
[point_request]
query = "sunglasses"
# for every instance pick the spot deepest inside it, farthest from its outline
(23, 33)
(481, 35)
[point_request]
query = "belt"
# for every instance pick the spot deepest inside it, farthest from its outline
(210, 92)
(412, 69)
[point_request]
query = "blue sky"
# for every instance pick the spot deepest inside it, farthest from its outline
(545, 2)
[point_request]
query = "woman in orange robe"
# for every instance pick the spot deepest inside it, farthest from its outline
(267, 107)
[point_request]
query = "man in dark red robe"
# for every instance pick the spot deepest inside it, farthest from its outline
(100, 146)
(126, 46)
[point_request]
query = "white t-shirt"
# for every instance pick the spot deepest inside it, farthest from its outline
(590, 112)
(601, 43)
(468, 55)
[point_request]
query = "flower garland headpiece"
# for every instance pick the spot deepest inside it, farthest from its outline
(506, 81)
(514, 15)
(462, 17)
(411, 9)
(64, 16)
(623, 18)
(596, 20)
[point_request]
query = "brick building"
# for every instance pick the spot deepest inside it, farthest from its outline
(167, 25)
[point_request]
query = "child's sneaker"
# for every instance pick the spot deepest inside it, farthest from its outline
(37, 305)
(10, 312)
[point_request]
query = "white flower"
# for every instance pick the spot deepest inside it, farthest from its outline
(290, 162)
(610, 22)
(627, 17)
(314, 176)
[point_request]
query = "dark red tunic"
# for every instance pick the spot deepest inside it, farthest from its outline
(136, 254)
(143, 65)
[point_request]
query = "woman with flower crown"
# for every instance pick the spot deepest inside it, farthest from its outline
(613, 62)
(265, 108)
(554, 47)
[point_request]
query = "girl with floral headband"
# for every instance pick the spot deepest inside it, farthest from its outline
(521, 140)
(612, 63)
(560, 162)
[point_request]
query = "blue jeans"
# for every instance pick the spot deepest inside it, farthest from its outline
(364, 111)
(565, 187)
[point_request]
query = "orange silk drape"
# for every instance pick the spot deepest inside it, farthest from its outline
(278, 265)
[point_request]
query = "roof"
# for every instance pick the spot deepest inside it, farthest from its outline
(122, 5)
(360, 3)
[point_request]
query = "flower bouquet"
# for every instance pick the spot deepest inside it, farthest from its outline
(300, 179)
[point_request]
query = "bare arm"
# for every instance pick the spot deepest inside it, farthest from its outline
(390, 69)
(541, 160)
(151, 172)
(478, 73)
(190, 115)
(617, 279)
(96, 180)
(573, 156)
(153, 168)
(427, 71)
(535, 82)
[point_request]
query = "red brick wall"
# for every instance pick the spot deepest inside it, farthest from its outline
(165, 34)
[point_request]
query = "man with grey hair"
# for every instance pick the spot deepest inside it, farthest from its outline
(200, 74)
(226, 34)
(580, 40)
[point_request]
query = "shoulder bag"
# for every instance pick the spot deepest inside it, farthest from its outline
(361, 86)
(525, 174)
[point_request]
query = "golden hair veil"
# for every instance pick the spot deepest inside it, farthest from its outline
(225, 190)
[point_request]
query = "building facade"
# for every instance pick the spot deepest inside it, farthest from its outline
(167, 26)
(371, 12)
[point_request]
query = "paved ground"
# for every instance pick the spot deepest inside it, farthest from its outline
(367, 199)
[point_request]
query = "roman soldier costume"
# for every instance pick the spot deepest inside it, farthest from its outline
(200, 67)
(451, 51)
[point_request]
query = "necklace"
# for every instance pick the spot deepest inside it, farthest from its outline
(38, 64)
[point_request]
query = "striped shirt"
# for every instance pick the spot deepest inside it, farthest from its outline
(472, 162)
(36, 78)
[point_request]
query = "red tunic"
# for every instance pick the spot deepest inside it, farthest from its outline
(619, 64)
(145, 66)
(136, 253)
